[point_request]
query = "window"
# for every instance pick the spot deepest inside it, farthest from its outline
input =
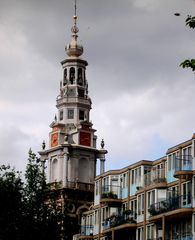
(96, 220)
(72, 75)
(70, 113)
(97, 188)
(139, 174)
(105, 185)
(140, 204)
(172, 161)
(81, 115)
(172, 192)
(133, 207)
(136, 176)
(140, 233)
(124, 180)
(61, 115)
(186, 193)
(150, 198)
(105, 213)
(124, 206)
(80, 77)
(132, 176)
(169, 162)
(194, 221)
(150, 231)
(81, 93)
(194, 186)
(190, 151)
(65, 77)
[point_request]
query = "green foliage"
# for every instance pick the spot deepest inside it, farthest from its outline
(190, 21)
(188, 64)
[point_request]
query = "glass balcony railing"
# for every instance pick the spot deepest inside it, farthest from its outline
(171, 204)
(87, 230)
(183, 163)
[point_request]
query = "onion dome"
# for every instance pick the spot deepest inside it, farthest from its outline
(73, 49)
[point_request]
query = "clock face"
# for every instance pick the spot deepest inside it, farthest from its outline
(54, 140)
(55, 129)
(85, 139)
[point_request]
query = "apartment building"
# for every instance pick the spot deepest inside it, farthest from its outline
(147, 200)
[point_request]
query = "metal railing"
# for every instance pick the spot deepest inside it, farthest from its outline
(170, 204)
(154, 176)
(111, 192)
(127, 216)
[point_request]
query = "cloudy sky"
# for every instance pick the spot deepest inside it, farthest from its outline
(143, 102)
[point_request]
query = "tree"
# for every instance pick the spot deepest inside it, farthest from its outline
(43, 215)
(189, 63)
(11, 203)
(31, 209)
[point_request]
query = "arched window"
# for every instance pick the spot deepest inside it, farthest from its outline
(72, 75)
(54, 170)
(80, 77)
(65, 77)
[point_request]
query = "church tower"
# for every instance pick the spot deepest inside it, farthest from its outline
(72, 154)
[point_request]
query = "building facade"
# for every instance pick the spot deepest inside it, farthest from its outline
(148, 200)
(72, 154)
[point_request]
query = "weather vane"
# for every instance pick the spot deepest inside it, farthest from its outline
(75, 7)
(75, 28)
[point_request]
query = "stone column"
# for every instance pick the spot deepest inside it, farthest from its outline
(102, 165)
(65, 168)
(49, 172)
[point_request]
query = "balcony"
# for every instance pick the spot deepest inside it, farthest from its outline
(111, 195)
(155, 177)
(88, 187)
(183, 168)
(86, 232)
(127, 218)
(178, 237)
(171, 204)
(181, 236)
